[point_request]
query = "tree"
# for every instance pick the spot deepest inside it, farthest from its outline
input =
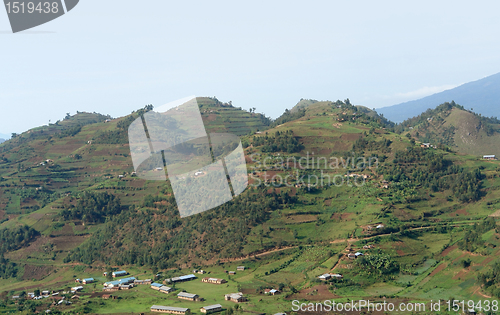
(109, 273)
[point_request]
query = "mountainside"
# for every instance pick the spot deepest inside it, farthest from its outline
(460, 129)
(325, 181)
(483, 96)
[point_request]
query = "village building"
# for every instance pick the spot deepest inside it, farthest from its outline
(165, 289)
(170, 309)
(88, 280)
(235, 297)
(156, 286)
(147, 281)
(211, 308)
(180, 279)
(119, 273)
(73, 289)
(188, 296)
(271, 291)
(326, 276)
(240, 268)
(489, 157)
(213, 280)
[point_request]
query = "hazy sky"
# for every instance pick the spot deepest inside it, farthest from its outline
(116, 56)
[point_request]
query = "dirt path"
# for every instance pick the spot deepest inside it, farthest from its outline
(478, 291)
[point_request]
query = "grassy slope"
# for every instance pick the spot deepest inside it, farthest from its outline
(343, 210)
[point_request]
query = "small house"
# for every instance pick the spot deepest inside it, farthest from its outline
(188, 296)
(240, 268)
(170, 309)
(232, 272)
(119, 273)
(271, 291)
(235, 297)
(156, 286)
(88, 280)
(211, 308)
(425, 145)
(326, 276)
(213, 280)
(489, 157)
(165, 289)
(147, 281)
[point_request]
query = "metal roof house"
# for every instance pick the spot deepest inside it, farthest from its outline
(187, 296)
(117, 283)
(119, 273)
(240, 268)
(147, 281)
(489, 157)
(211, 308)
(156, 286)
(88, 280)
(213, 280)
(325, 277)
(165, 289)
(170, 309)
(181, 278)
(235, 297)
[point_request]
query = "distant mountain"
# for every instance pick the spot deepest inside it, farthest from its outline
(483, 96)
(454, 126)
(4, 137)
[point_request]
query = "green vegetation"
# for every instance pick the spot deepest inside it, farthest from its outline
(424, 218)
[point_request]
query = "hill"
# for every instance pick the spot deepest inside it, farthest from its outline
(483, 96)
(452, 125)
(309, 108)
(326, 181)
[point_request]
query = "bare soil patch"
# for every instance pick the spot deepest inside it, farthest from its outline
(316, 293)
(448, 250)
(438, 269)
(67, 242)
(36, 272)
(350, 136)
